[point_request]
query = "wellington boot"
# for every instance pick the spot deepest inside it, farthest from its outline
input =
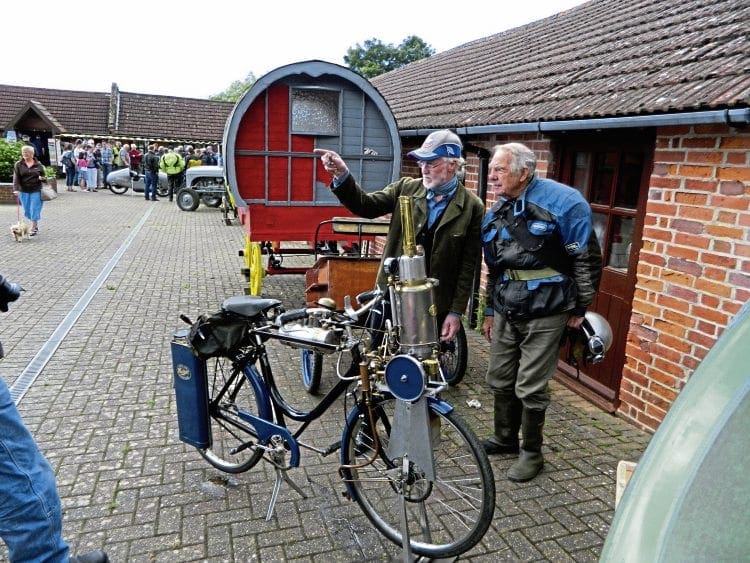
(527, 467)
(507, 422)
(493, 448)
(530, 462)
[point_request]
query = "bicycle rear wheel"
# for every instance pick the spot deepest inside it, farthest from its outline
(447, 516)
(228, 431)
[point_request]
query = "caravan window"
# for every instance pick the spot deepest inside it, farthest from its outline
(315, 111)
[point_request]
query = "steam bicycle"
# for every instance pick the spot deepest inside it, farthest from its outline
(411, 463)
(436, 488)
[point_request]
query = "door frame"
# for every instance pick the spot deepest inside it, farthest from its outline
(564, 147)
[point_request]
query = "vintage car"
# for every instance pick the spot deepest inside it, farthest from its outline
(202, 183)
(121, 180)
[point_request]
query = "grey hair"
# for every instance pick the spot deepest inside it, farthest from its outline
(521, 157)
(460, 169)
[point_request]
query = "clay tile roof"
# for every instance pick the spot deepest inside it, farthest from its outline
(64, 105)
(139, 116)
(182, 118)
(604, 58)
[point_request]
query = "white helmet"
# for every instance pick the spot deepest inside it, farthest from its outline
(599, 337)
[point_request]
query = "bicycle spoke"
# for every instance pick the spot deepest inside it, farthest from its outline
(445, 517)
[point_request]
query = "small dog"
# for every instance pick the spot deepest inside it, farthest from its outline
(20, 230)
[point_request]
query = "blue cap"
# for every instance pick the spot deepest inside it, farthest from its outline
(438, 144)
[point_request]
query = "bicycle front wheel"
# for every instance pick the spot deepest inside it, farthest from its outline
(232, 439)
(445, 517)
(454, 357)
(312, 369)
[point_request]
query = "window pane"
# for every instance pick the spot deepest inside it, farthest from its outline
(599, 221)
(620, 242)
(581, 170)
(315, 112)
(629, 182)
(604, 174)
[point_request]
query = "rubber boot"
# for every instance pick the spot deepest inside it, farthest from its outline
(507, 423)
(530, 461)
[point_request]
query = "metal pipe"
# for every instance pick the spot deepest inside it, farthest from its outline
(407, 226)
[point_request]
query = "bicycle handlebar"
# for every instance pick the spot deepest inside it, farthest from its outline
(293, 315)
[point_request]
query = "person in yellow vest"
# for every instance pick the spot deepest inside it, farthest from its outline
(193, 158)
(172, 164)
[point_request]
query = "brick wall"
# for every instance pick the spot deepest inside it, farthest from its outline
(694, 267)
(6, 194)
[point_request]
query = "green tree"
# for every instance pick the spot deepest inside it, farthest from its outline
(10, 153)
(375, 58)
(235, 90)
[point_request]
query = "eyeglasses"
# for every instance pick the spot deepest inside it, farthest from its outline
(431, 164)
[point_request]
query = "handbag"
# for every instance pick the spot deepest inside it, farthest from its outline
(48, 194)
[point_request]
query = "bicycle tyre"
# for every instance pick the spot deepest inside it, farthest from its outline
(228, 430)
(457, 507)
(454, 357)
(312, 369)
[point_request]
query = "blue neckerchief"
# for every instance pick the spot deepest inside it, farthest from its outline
(436, 208)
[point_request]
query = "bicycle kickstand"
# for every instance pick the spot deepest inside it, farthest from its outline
(277, 458)
(281, 476)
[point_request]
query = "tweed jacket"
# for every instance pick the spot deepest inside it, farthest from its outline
(456, 249)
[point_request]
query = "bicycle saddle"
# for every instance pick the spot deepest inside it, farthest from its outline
(248, 305)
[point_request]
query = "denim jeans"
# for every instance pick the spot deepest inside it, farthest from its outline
(70, 176)
(106, 169)
(30, 512)
(150, 182)
(91, 178)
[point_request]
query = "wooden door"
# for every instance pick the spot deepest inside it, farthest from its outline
(611, 169)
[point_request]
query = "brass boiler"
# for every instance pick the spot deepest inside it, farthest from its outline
(412, 294)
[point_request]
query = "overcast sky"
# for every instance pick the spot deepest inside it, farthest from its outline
(197, 49)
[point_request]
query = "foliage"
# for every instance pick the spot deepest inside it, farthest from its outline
(10, 153)
(235, 90)
(375, 58)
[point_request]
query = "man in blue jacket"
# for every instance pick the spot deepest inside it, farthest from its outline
(544, 265)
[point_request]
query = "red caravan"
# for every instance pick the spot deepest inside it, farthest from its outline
(279, 185)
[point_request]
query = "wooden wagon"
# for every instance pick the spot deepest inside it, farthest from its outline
(278, 184)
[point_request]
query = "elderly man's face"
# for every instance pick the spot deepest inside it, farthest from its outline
(437, 172)
(502, 181)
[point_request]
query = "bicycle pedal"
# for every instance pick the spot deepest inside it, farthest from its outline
(241, 447)
(330, 449)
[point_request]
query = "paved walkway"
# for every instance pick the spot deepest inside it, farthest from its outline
(105, 282)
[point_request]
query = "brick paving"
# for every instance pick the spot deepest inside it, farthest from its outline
(103, 408)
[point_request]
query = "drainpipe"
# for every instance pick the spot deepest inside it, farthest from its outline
(483, 155)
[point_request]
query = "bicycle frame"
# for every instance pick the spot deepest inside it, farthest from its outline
(273, 409)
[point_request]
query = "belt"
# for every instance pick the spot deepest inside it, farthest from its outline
(526, 275)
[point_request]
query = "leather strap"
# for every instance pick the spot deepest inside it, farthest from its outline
(526, 275)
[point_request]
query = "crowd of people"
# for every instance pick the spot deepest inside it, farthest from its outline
(87, 164)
